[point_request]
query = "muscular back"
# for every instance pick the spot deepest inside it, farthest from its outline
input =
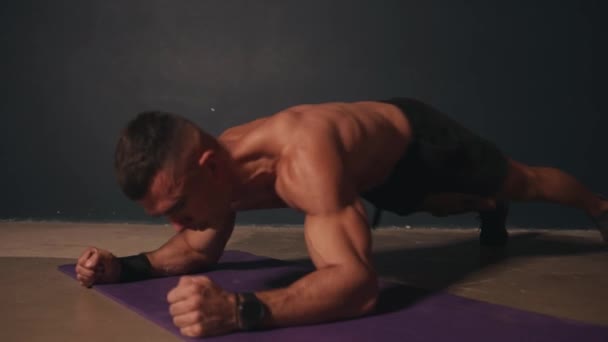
(367, 138)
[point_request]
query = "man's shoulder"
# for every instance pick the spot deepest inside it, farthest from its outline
(304, 122)
(309, 168)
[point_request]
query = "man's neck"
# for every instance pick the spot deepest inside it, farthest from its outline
(253, 184)
(253, 171)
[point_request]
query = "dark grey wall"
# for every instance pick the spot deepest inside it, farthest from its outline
(529, 75)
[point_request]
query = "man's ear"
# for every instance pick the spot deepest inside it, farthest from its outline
(207, 160)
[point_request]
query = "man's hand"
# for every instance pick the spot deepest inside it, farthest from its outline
(96, 266)
(200, 307)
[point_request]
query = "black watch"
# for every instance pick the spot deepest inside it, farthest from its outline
(251, 311)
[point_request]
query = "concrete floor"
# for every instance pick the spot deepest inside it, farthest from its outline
(559, 273)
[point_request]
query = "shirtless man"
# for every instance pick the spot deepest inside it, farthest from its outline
(401, 155)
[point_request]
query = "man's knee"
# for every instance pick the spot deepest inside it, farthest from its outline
(521, 182)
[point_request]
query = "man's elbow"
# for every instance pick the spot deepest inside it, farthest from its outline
(371, 296)
(367, 293)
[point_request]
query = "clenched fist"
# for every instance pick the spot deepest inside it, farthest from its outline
(97, 266)
(200, 307)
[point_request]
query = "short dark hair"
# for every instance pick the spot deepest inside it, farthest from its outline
(143, 148)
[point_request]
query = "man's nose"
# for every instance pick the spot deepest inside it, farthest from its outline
(178, 227)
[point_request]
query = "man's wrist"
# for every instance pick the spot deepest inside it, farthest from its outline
(236, 300)
(134, 268)
(250, 311)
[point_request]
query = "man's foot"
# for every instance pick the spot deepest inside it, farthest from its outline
(601, 222)
(493, 225)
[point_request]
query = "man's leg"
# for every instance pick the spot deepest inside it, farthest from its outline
(494, 224)
(533, 183)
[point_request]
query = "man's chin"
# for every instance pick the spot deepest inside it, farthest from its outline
(197, 228)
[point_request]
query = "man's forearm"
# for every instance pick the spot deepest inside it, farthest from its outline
(176, 257)
(331, 293)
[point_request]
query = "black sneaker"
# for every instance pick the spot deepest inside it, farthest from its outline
(493, 225)
(601, 222)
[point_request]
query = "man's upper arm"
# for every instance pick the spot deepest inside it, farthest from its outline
(340, 239)
(313, 179)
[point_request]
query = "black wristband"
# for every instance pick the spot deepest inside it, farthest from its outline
(251, 311)
(134, 268)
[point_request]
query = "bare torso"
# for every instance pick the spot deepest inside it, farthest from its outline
(369, 137)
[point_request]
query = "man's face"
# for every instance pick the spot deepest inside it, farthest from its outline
(191, 198)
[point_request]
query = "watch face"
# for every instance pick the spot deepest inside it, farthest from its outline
(252, 310)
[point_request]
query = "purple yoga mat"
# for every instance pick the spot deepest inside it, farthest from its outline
(403, 313)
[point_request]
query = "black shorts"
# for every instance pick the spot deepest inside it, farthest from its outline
(442, 157)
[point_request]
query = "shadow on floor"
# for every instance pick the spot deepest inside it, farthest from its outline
(439, 265)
